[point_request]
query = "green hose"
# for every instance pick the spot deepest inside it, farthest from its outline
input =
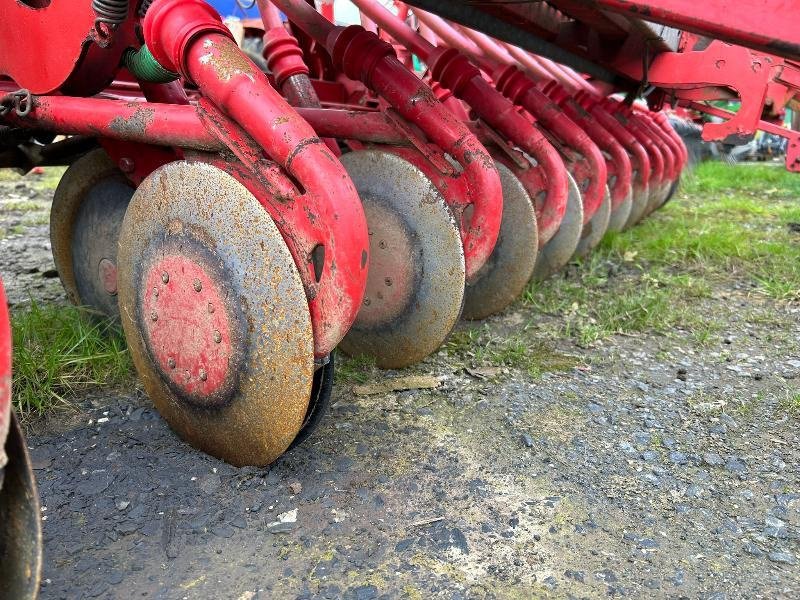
(144, 67)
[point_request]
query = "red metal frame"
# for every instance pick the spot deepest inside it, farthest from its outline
(362, 56)
(752, 23)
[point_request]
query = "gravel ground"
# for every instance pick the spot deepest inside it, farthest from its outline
(655, 467)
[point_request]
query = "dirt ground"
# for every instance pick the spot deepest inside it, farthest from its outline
(656, 466)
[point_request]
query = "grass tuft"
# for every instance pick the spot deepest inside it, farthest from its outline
(728, 224)
(477, 347)
(60, 351)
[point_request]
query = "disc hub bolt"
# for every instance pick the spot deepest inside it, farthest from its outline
(197, 285)
(165, 277)
(171, 363)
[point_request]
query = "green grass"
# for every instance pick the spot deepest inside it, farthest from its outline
(48, 180)
(22, 206)
(791, 403)
(478, 347)
(354, 369)
(60, 351)
(728, 223)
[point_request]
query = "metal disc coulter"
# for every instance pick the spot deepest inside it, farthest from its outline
(215, 314)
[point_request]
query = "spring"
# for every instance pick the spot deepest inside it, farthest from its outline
(143, 7)
(110, 12)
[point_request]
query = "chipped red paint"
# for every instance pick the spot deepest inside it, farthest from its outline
(361, 55)
(187, 36)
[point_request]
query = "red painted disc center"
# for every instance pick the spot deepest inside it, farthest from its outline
(186, 325)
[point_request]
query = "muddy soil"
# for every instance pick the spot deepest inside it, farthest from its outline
(655, 467)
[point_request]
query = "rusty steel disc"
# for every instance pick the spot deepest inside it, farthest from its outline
(20, 520)
(88, 207)
(556, 253)
(415, 285)
(619, 216)
(641, 199)
(319, 402)
(671, 192)
(658, 194)
(594, 230)
(215, 314)
(507, 271)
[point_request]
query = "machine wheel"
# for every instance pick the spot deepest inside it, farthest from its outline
(88, 207)
(641, 199)
(658, 196)
(20, 521)
(556, 253)
(319, 403)
(415, 286)
(672, 189)
(504, 276)
(619, 217)
(593, 231)
(215, 314)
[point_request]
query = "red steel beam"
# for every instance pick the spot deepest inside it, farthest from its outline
(770, 26)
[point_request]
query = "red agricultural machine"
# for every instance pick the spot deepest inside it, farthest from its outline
(362, 187)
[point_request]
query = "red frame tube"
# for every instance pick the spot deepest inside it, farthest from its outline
(454, 72)
(362, 56)
(188, 36)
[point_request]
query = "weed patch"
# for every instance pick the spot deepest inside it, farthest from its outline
(61, 351)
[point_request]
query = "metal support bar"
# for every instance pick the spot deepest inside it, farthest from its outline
(476, 19)
(767, 26)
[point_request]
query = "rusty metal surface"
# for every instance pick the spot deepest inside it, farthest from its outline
(594, 229)
(619, 216)
(20, 522)
(509, 268)
(415, 286)
(95, 236)
(561, 247)
(75, 186)
(259, 415)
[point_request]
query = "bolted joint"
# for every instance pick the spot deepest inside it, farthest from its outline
(283, 55)
(452, 69)
(170, 26)
(356, 52)
(512, 83)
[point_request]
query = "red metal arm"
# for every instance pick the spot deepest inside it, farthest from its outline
(769, 27)
(362, 56)
(188, 36)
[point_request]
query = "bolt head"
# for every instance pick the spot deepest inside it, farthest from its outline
(217, 337)
(154, 316)
(171, 363)
(165, 277)
(197, 285)
(203, 375)
(126, 165)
